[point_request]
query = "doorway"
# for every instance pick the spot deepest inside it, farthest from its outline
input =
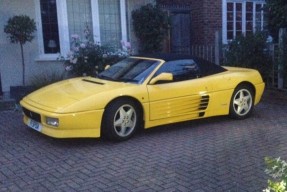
(180, 32)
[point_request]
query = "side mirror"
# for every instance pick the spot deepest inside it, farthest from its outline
(161, 77)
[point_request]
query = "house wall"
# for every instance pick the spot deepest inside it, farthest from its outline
(206, 19)
(10, 54)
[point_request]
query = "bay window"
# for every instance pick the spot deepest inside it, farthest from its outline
(79, 17)
(58, 20)
(241, 17)
(110, 22)
(50, 30)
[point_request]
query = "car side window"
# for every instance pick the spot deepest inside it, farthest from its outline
(181, 70)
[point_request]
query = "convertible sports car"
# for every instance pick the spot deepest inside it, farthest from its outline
(142, 92)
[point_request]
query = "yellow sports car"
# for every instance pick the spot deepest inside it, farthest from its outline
(142, 92)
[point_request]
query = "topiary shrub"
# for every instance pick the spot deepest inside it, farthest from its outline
(250, 51)
(151, 25)
(20, 30)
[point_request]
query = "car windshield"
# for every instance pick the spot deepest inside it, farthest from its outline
(133, 70)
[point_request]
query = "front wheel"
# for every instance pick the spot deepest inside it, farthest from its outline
(121, 120)
(241, 104)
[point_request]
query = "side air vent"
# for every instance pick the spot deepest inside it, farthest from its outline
(204, 102)
(201, 114)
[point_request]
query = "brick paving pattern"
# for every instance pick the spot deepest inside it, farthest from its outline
(215, 154)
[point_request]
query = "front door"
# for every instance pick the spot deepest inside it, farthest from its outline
(180, 34)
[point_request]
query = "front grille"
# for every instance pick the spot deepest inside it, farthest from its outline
(32, 115)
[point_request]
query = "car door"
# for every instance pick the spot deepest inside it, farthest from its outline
(185, 97)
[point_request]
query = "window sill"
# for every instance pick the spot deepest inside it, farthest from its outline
(49, 57)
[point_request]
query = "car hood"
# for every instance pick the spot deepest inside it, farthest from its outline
(62, 95)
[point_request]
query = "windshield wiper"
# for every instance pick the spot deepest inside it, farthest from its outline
(118, 80)
(128, 80)
(106, 77)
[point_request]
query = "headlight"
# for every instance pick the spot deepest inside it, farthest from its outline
(52, 121)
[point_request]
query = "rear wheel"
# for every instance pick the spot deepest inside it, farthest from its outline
(121, 120)
(241, 104)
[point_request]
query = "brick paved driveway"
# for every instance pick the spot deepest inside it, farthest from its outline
(216, 154)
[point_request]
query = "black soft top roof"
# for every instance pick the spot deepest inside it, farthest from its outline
(166, 57)
(206, 67)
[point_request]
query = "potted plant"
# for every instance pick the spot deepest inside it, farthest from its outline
(20, 29)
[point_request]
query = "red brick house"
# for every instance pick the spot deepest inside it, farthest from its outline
(196, 22)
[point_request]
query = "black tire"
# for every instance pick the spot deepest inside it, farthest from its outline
(242, 102)
(121, 120)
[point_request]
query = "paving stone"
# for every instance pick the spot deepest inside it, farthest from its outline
(215, 154)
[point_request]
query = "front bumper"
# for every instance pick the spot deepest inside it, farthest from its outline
(71, 125)
(259, 92)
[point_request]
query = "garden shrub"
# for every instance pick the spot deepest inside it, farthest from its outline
(151, 25)
(87, 58)
(250, 51)
(277, 170)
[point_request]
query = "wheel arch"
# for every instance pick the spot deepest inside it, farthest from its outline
(249, 84)
(129, 98)
(252, 89)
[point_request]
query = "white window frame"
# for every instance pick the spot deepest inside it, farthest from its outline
(64, 36)
(224, 17)
(96, 20)
(63, 31)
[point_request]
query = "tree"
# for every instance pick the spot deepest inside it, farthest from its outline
(150, 25)
(20, 30)
(277, 15)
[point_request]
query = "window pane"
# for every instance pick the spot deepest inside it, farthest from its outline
(230, 16)
(229, 35)
(239, 16)
(229, 6)
(230, 20)
(249, 7)
(249, 16)
(238, 26)
(259, 22)
(249, 26)
(238, 33)
(110, 22)
(238, 7)
(50, 26)
(259, 7)
(229, 26)
(80, 18)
